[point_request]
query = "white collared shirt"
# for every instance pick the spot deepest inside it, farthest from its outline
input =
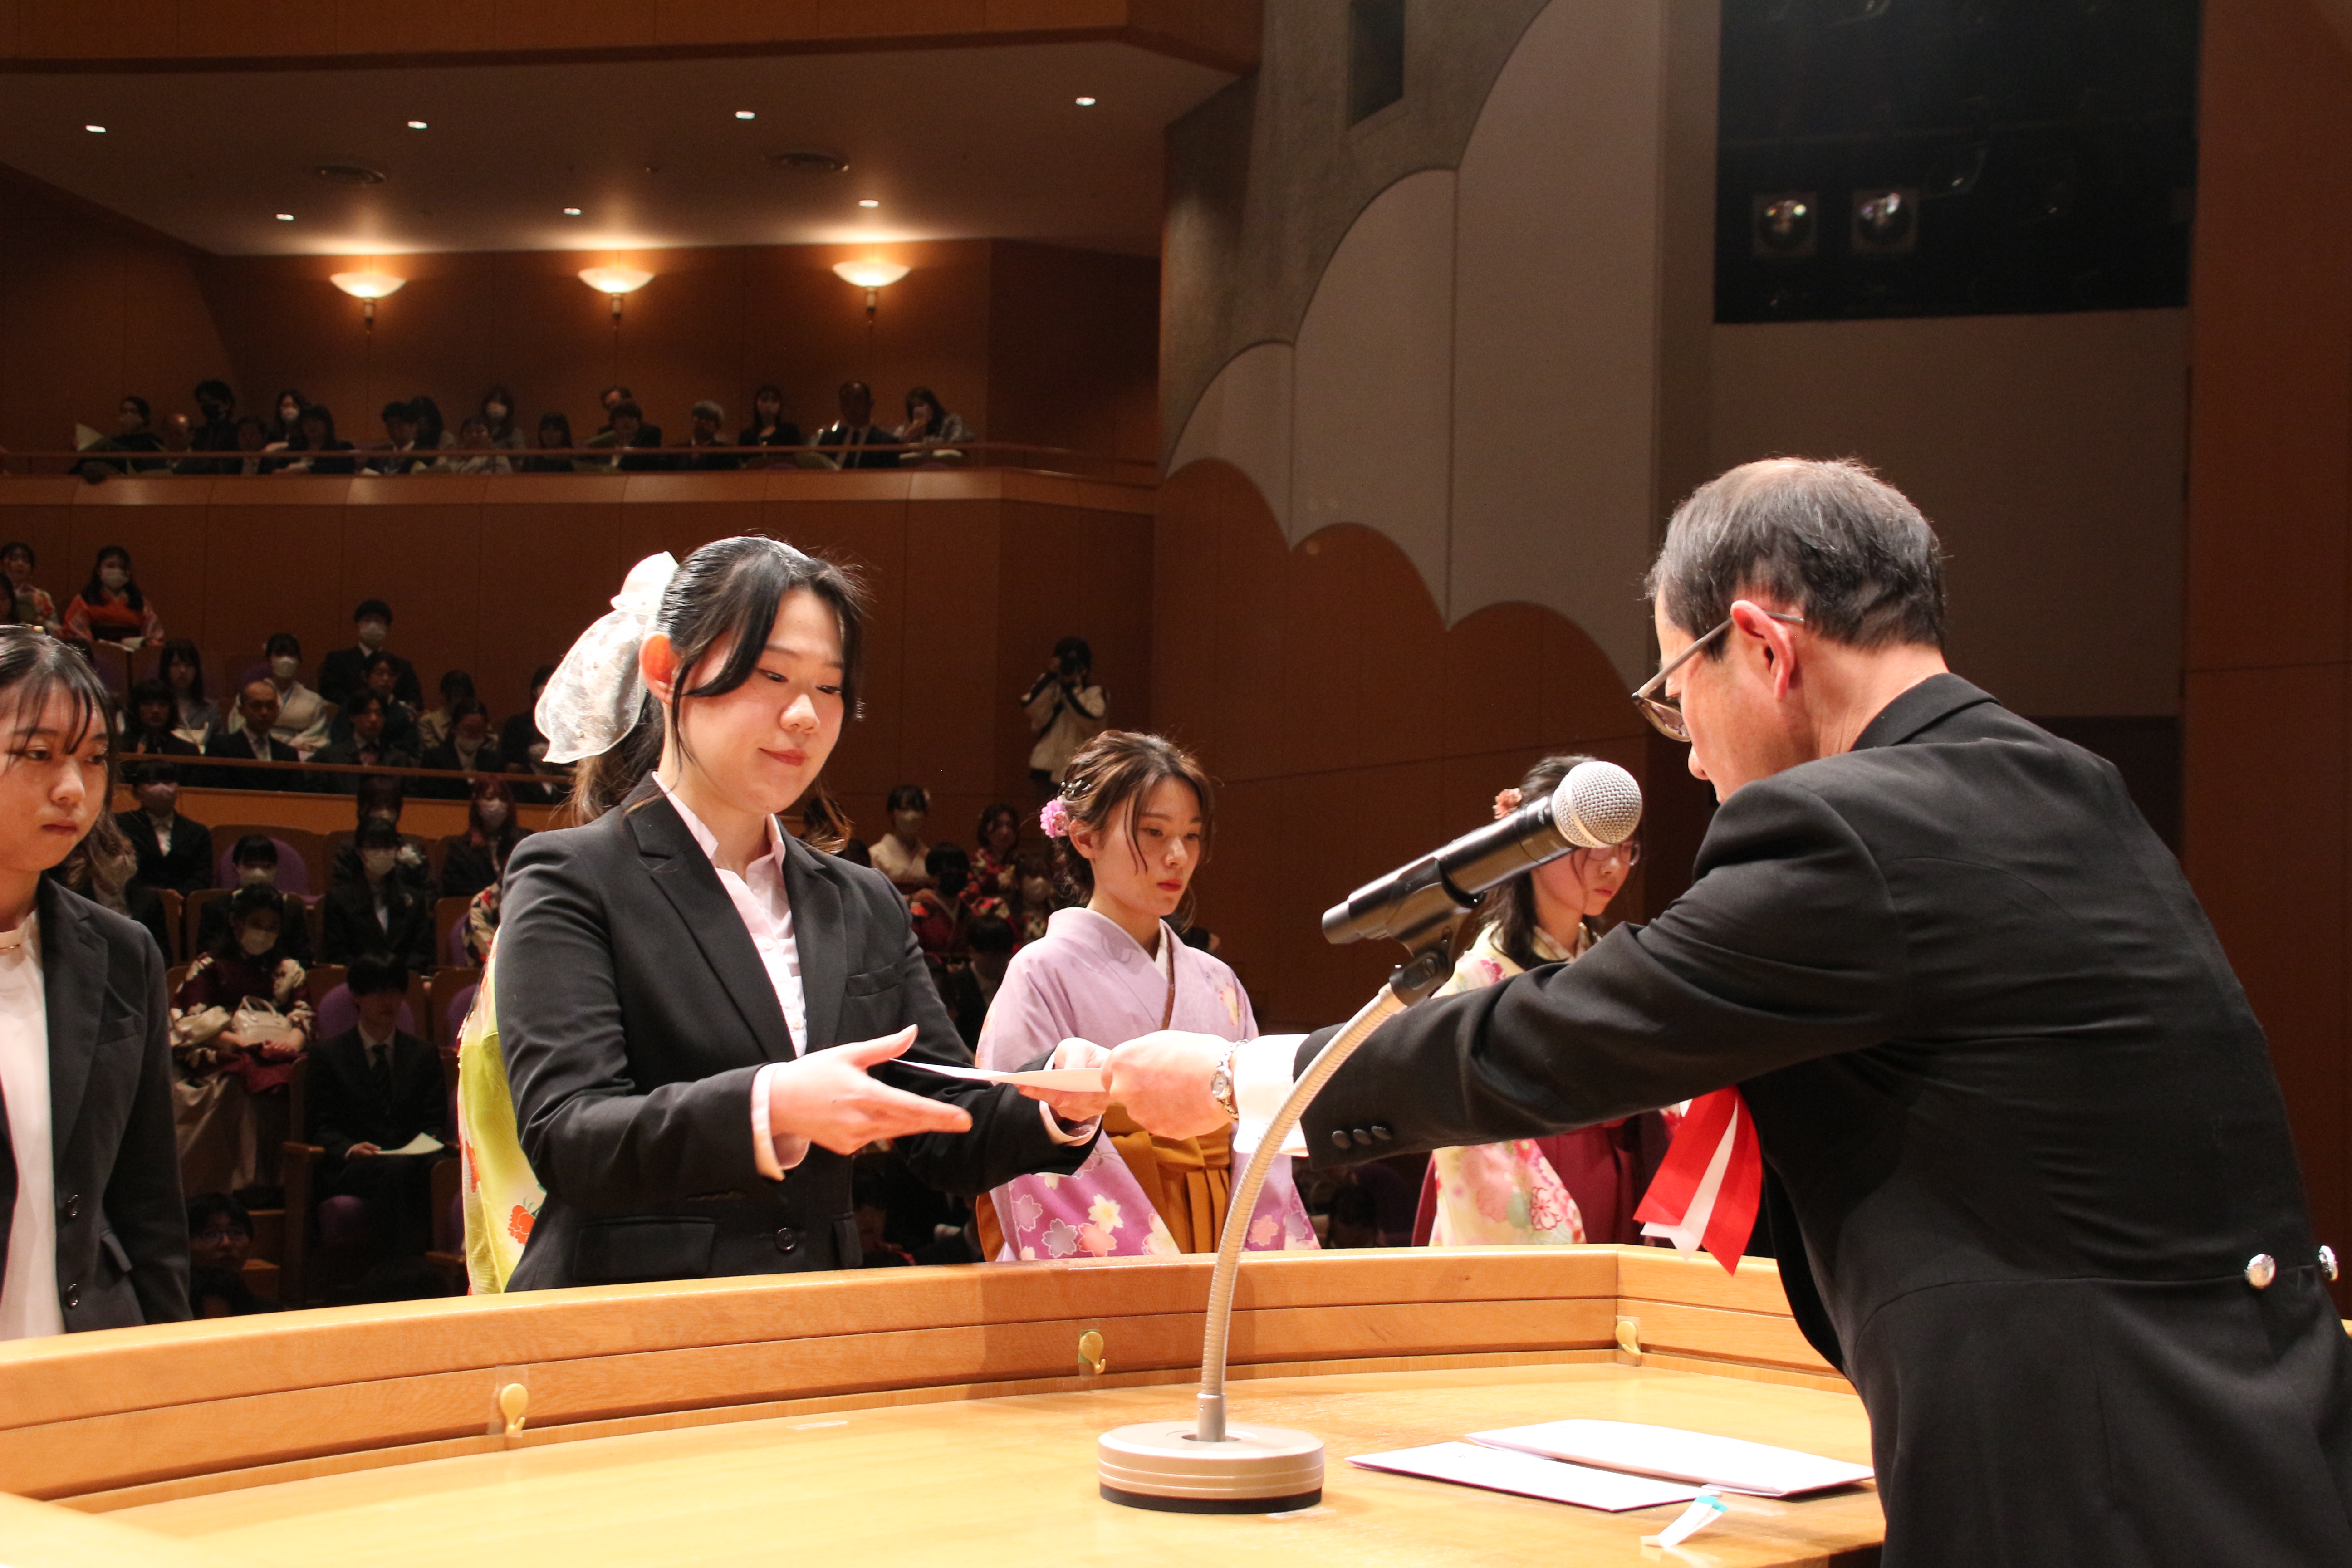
(28, 1286)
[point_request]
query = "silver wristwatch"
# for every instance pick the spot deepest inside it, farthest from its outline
(1221, 1085)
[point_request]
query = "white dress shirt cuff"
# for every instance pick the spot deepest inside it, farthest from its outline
(1071, 1133)
(1262, 1080)
(773, 1155)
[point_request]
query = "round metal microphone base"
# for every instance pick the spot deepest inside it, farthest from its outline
(1257, 1469)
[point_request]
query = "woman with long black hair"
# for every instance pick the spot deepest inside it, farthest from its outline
(702, 1017)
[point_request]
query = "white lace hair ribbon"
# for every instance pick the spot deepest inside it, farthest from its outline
(592, 699)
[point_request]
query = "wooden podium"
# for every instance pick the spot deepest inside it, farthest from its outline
(891, 1414)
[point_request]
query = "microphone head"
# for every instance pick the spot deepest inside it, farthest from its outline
(1597, 805)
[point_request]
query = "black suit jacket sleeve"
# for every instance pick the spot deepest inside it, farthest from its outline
(143, 1201)
(1786, 948)
(338, 1114)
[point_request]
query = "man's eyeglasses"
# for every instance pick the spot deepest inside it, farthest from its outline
(222, 1233)
(1665, 713)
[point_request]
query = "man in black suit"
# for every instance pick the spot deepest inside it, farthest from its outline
(152, 715)
(373, 1089)
(2030, 1176)
(379, 911)
(256, 705)
(172, 851)
(856, 431)
(343, 672)
(364, 747)
(631, 431)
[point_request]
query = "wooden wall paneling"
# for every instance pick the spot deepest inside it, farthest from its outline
(859, 520)
(583, 24)
(948, 701)
(1244, 645)
(1400, 687)
(879, 18)
(61, 281)
(1233, 894)
(729, 21)
(40, 512)
(1187, 592)
(1072, 349)
(552, 561)
(1069, 571)
(551, 340)
(169, 341)
(1495, 677)
(683, 513)
(161, 521)
(682, 335)
(1328, 624)
(135, 28)
(253, 27)
(416, 542)
(273, 562)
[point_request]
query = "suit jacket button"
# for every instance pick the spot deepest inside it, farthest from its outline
(788, 1238)
(73, 1206)
(1363, 1138)
(1380, 1131)
(73, 1296)
(2260, 1270)
(1338, 1138)
(2328, 1263)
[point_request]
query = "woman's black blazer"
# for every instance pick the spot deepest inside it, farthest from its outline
(634, 1013)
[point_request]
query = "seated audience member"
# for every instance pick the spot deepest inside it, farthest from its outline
(104, 869)
(372, 1091)
(520, 741)
(468, 749)
(398, 453)
(252, 440)
(481, 926)
(1038, 898)
(630, 431)
(850, 436)
(216, 422)
(380, 912)
(254, 739)
(609, 399)
(111, 608)
(769, 428)
(132, 434)
(868, 1195)
(362, 746)
(937, 910)
(343, 672)
(498, 416)
(218, 1293)
(239, 1023)
(432, 434)
(709, 422)
(991, 938)
(150, 729)
(433, 724)
(286, 428)
(303, 716)
(254, 864)
(381, 680)
(220, 1232)
(476, 452)
(382, 798)
(554, 435)
(172, 852)
(318, 446)
(1355, 1217)
(995, 882)
(195, 716)
(823, 826)
(928, 425)
(898, 854)
(477, 857)
(179, 438)
(28, 606)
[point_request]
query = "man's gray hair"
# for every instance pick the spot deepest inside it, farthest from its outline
(1844, 548)
(710, 409)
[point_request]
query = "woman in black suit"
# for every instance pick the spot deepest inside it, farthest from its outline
(689, 1000)
(93, 1234)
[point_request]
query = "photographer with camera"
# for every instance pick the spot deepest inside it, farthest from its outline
(1065, 711)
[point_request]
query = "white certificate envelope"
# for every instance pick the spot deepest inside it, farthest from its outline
(1501, 1470)
(1666, 1451)
(1075, 1080)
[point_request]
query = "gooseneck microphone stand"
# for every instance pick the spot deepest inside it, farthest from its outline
(1209, 1466)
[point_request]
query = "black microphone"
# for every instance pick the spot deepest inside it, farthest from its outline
(1597, 805)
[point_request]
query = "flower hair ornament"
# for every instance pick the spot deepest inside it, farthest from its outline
(594, 697)
(1054, 819)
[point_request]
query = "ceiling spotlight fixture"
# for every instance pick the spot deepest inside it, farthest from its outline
(95, 129)
(285, 217)
(810, 160)
(416, 125)
(745, 114)
(873, 275)
(350, 174)
(570, 212)
(615, 281)
(367, 287)
(867, 201)
(1085, 103)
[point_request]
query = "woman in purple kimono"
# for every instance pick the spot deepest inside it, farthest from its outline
(1129, 827)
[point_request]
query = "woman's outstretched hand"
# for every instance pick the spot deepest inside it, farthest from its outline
(1072, 1107)
(827, 1098)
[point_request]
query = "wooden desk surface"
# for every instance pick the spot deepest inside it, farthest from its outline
(1012, 1480)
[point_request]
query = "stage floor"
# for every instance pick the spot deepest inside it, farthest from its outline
(1012, 1480)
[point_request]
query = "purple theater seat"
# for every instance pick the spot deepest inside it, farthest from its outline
(293, 871)
(337, 1013)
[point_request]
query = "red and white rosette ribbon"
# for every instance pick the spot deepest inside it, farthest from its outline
(1708, 1189)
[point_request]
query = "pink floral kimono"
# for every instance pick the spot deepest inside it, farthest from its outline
(1087, 978)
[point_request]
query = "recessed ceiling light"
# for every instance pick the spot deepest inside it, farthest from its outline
(745, 114)
(570, 212)
(1085, 103)
(868, 202)
(95, 129)
(416, 125)
(285, 217)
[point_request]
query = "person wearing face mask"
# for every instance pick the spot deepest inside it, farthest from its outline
(254, 864)
(92, 1231)
(151, 727)
(253, 738)
(433, 724)
(468, 750)
(343, 672)
(498, 416)
(172, 852)
(900, 853)
(380, 911)
(28, 606)
(477, 857)
(381, 798)
(111, 608)
(303, 716)
(1038, 897)
(240, 1022)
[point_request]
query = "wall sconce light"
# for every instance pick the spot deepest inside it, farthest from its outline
(367, 287)
(871, 275)
(615, 281)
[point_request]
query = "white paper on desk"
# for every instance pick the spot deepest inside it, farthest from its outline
(1502, 1470)
(423, 1143)
(1667, 1451)
(1080, 1080)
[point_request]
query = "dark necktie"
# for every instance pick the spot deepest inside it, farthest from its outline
(379, 1065)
